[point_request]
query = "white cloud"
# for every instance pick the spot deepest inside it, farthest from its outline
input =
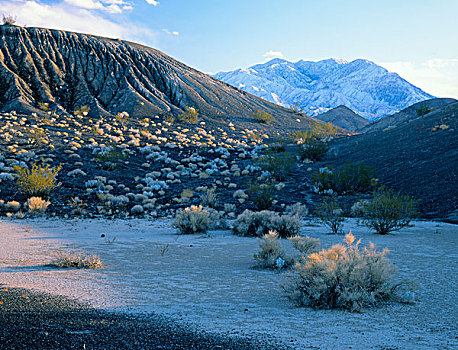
(273, 54)
(170, 33)
(78, 16)
(152, 2)
(436, 76)
(110, 6)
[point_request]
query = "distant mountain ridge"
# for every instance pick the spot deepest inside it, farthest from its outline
(344, 117)
(363, 86)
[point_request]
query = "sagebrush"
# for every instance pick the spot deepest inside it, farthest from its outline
(343, 276)
(191, 220)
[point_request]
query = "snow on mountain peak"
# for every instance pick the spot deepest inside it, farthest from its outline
(363, 86)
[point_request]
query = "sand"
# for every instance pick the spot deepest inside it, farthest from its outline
(210, 280)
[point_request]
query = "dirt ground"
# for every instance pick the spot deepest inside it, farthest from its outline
(211, 282)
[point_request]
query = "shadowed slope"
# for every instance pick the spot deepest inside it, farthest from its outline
(344, 117)
(419, 158)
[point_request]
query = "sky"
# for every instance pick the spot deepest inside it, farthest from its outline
(418, 39)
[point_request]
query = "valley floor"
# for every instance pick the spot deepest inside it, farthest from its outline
(209, 283)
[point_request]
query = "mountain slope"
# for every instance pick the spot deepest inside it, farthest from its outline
(419, 158)
(407, 115)
(69, 70)
(344, 117)
(361, 85)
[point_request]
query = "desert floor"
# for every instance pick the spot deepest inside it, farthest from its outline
(210, 281)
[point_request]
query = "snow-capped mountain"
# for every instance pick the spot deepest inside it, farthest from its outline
(363, 86)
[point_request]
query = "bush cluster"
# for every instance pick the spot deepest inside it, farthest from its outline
(350, 178)
(262, 195)
(258, 224)
(313, 149)
(190, 115)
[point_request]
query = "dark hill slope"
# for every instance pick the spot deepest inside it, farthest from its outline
(407, 115)
(419, 158)
(344, 117)
(69, 70)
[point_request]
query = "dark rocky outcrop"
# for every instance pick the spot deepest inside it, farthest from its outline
(69, 70)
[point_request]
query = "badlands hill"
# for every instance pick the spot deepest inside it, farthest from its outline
(69, 70)
(344, 117)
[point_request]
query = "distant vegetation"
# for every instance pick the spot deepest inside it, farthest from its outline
(423, 110)
(263, 117)
(8, 20)
(190, 115)
(38, 181)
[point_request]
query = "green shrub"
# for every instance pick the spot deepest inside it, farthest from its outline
(192, 220)
(271, 255)
(342, 277)
(313, 149)
(190, 115)
(278, 164)
(262, 195)
(38, 181)
(210, 198)
(8, 20)
(423, 110)
(350, 178)
(258, 224)
(263, 117)
(388, 211)
(331, 215)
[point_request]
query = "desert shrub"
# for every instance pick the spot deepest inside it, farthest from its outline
(262, 117)
(259, 223)
(82, 111)
(8, 20)
(271, 255)
(38, 181)
(357, 209)
(37, 205)
(350, 178)
(423, 110)
(210, 198)
(122, 118)
(13, 206)
(262, 195)
(323, 130)
(108, 157)
(80, 261)
(297, 209)
(217, 220)
(388, 211)
(190, 115)
(342, 277)
(313, 149)
(251, 223)
(286, 225)
(305, 245)
(169, 118)
(194, 219)
(331, 215)
(278, 164)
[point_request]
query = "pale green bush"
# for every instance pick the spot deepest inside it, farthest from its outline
(331, 215)
(271, 255)
(342, 277)
(259, 223)
(37, 205)
(192, 220)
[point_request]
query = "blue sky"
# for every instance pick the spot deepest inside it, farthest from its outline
(415, 38)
